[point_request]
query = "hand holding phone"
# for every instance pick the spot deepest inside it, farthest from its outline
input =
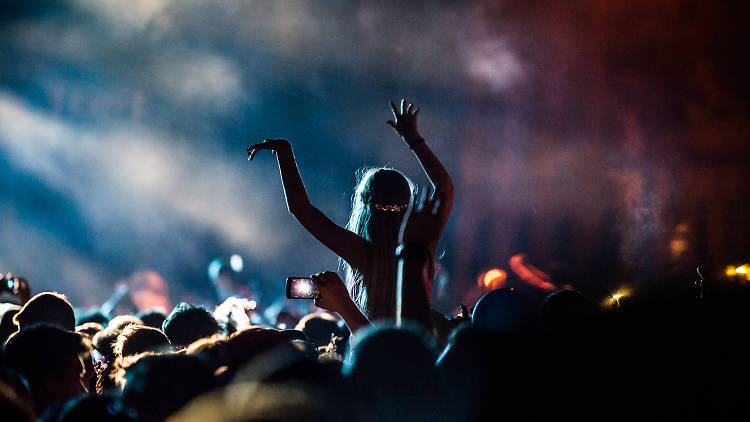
(301, 288)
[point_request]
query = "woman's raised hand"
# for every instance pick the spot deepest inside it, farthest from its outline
(422, 223)
(274, 145)
(405, 121)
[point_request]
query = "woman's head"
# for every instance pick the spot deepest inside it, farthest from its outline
(381, 196)
(379, 204)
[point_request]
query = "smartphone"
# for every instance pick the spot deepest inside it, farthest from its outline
(301, 288)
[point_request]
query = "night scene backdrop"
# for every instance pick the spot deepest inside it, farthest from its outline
(607, 141)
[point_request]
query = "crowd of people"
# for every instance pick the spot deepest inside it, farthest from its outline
(378, 352)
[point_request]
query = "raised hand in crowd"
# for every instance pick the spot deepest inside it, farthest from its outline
(405, 122)
(274, 145)
(419, 232)
(368, 242)
(423, 220)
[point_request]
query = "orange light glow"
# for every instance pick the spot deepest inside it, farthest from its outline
(740, 272)
(493, 279)
(614, 298)
(530, 274)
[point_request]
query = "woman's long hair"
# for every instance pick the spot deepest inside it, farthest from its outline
(379, 203)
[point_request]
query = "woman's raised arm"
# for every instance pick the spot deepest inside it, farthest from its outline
(349, 246)
(405, 123)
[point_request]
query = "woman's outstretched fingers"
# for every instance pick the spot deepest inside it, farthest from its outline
(252, 151)
(404, 121)
(269, 144)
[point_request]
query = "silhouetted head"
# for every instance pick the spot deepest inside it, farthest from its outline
(89, 329)
(121, 321)
(46, 308)
(484, 370)
(379, 204)
(104, 341)
(93, 315)
(158, 385)
(212, 350)
(319, 328)
(188, 323)
(396, 365)
(245, 345)
(7, 326)
(90, 407)
(380, 200)
(503, 310)
(50, 359)
(393, 358)
(278, 402)
(295, 364)
(137, 339)
(153, 317)
(566, 308)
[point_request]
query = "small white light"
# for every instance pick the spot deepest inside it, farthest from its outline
(282, 326)
(235, 261)
(251, 304)
(305, 289)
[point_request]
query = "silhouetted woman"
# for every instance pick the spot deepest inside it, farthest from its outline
(367, 245)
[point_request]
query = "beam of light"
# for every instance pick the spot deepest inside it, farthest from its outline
(124, 172)
(530, 274)
(493, 279)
